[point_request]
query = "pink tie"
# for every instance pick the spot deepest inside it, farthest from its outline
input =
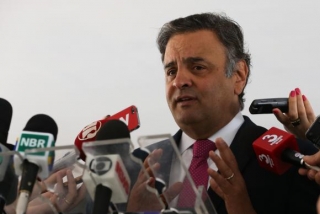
(198, 171)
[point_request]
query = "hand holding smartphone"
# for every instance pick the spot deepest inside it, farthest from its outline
(265, 106)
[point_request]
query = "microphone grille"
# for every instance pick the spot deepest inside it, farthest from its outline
(42, 123)
(113, 129)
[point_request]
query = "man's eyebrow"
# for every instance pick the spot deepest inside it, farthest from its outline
(193, 59)
(185, 60)
(170, 64)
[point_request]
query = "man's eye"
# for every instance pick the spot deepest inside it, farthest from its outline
(171, 72)
(198, 68)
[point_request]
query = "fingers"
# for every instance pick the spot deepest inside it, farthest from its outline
(215, 187)
(317, 178)
(227, 166)
(300, 107)
(303, 171)
(66, 196)
(318, 205)
(154, 157)
(173, 191)
(311, 174)
(280, 116)
(309, 111)
(59, 189)
(227, 155)
(72, 187)
(48, 184)
(300, 114)
(312, 159)
(220, 183)
(293, 109)
(150, 166)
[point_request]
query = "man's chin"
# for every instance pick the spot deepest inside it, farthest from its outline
(183, 120)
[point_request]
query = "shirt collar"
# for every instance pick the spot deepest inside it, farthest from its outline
(227, 133)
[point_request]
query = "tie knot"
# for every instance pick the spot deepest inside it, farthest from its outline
(201, 148)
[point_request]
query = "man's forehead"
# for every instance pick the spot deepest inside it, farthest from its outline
(193, 43)
(185, 60)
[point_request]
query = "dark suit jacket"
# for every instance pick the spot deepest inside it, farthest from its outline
(268, 192)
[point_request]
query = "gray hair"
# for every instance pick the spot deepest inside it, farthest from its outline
(228, 31)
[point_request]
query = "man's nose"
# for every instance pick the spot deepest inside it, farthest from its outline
(182, 79)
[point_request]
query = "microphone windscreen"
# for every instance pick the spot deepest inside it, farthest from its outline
(113, 129)
(270, 146)
(42, 123)
(5, 119)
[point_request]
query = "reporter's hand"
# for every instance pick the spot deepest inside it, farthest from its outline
(299, 108)
(144, 196)
(229, 184)
(66, 198)
(313, 160)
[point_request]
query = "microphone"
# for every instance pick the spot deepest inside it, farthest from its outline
(40, 132)
(129, 116)
(8, 179)
(112, 181)
(65, 161)
(5, 120)
(277, 150)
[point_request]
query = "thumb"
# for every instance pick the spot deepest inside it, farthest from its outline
(312, 159)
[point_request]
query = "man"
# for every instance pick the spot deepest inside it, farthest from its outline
(206, 71)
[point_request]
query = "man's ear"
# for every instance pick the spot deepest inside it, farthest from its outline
(240, 76)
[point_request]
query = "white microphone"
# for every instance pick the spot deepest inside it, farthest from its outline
(109, 171)
(65, 161)
(107, 179)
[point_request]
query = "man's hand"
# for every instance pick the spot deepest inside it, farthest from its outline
(229, 184)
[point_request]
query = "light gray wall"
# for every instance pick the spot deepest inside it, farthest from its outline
(78, 61)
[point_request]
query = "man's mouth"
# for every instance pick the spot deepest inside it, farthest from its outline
(184, 99)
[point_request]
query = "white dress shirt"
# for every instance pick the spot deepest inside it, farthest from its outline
(227, 133)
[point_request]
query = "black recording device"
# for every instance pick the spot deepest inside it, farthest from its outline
(265, 106)
(313, 133)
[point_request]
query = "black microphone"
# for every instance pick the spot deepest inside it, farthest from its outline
(5, 120)
(8, 179)
(40, 132)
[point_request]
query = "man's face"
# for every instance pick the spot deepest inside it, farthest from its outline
(197, 89)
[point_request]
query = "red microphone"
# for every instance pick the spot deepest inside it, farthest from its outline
(278, 150)
(129, 116)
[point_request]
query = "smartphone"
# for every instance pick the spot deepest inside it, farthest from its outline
(313, 133)
(265, 106)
